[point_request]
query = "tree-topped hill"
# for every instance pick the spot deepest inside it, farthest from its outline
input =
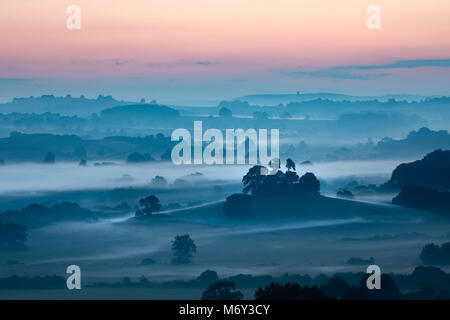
(281, 183)
(432, 171)
(268, 188)
(67, 105)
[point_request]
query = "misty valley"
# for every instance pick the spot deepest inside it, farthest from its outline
(93, 183)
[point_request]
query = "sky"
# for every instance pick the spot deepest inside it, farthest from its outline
(209, 50)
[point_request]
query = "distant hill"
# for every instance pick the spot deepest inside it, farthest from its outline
(275, 99)
(63, 105)
(137, 112)
(421, 141)
(37, 215)
(433, 171)
(423, 198)
(291, 208)
(33, 147)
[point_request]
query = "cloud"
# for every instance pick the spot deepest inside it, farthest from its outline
(204, 63)
(404, 64)
(119, 62)
(348, 72)
(179, 63)
(336, 73)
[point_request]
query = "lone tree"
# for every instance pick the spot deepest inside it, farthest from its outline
(183, 248)
(148, 205)
(222, 290)
(290, 165)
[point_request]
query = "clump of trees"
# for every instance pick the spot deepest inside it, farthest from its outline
(159, 181)
(222, 290)
(256, 185)
(281, 183)
(335, 288)
(148, 205)
(32, 283)
(432, 254)
(183, 248)
(137, 157)
(289, 291)
(36, 215)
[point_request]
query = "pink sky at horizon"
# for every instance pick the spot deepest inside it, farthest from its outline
(205, 39)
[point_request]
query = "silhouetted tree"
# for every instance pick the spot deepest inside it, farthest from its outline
(183, 248)
(337, 288)
(276, 291)
(148, 205)
(207, 278)
(309, 184)
(34, 283)
(253, 180)
(159, 181)
(222, 290)
(290, 165)
(290, 178)
(388, 291)
(288, 291)
(432, 254)
(137, 157)
(280, 184)
(312, 293)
